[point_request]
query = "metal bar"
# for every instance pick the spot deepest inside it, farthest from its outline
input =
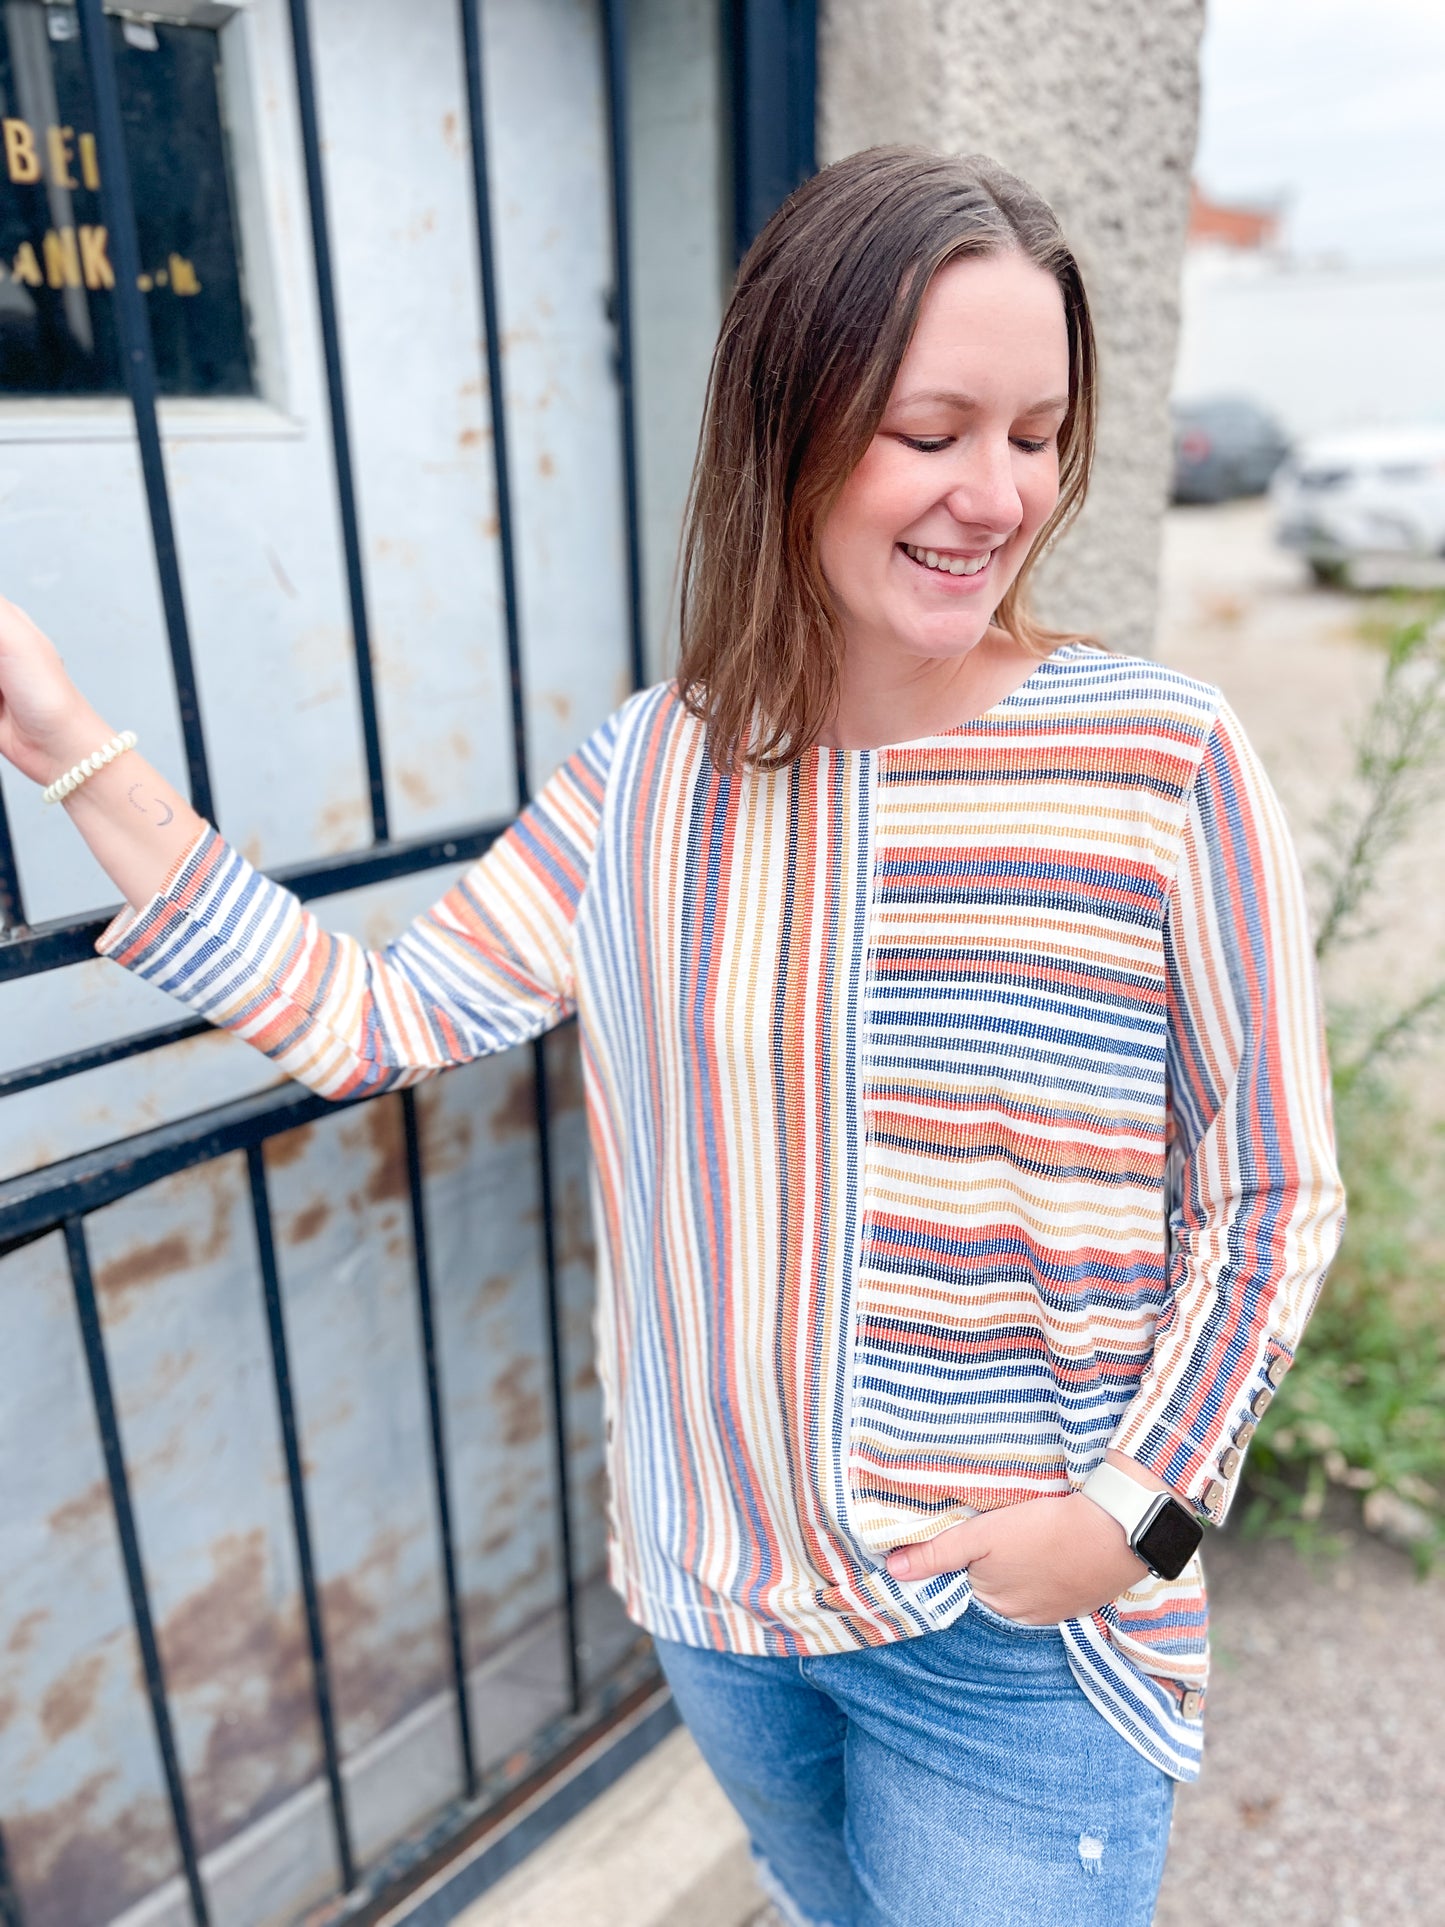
(774, 90)
(492, 333)
(558, 1370)
(11, 1914)
(39, 1201)
(295, 1479)
(12, 903)
(138, 359)
(95, 1055)
(427, 1321)
(614, 20)
(336, 392)
(93, 1340)
(51, 946)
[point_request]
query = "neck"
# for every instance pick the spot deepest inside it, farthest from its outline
(882, 700)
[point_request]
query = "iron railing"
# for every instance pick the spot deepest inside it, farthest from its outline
(772, 148)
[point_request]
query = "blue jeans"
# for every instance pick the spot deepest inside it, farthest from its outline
(957, 1779)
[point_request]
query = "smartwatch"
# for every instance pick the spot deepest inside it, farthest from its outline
(1164, 1533)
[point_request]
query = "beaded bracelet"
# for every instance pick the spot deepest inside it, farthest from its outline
(67, 785)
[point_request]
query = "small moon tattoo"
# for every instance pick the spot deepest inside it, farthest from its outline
(161, 821)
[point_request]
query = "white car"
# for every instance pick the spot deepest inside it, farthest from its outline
(1365, 503)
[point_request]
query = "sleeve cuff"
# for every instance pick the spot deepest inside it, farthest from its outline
(1205, 1470)
(130, 931)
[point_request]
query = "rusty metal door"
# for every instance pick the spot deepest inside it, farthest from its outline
(303, 1585)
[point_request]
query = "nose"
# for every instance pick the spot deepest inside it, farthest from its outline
(984, 494)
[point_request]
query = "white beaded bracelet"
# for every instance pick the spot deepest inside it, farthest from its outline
(67, 785)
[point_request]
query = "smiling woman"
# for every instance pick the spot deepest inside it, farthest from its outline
(908, 364)
(956, 1094)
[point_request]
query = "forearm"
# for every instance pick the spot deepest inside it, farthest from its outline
(137, 826)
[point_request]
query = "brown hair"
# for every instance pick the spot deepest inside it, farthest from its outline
(824, 308)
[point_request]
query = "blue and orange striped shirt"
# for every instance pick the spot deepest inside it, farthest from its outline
(958, 1111)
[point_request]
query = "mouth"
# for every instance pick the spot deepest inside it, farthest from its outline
(948, 562)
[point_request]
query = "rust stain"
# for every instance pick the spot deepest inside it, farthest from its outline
(170, 1369)
(565, 1089)
(339, 826)
(585, 1378)
(396, 546)
(307, 1223)
(446, 1139)
(449, 132)
(516, 1115)
(9, 1707)
(417, 788)
(24, 1631)
(82, 1509)
(494, 1288)
(519, 1405)
(71, 1867)
(242, 1658)
(290, 1146)
(69, 1702)
(472, 387)
(488, 1613)
(546, 467)
(121, 1278)
(469, 438)
(575, 1243)
(489, 526)
(459, 746)
(387, 1179)
(560, 705)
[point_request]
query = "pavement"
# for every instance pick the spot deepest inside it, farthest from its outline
(1323, 1790)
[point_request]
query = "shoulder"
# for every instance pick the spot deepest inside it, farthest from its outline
(1094, 678)
(1128, 701)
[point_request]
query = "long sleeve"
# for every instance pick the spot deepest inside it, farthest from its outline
(487, 967)
(1260, 1207)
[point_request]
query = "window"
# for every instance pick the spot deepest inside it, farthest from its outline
(57, 321)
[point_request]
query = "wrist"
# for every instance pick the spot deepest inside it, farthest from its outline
(77, 736)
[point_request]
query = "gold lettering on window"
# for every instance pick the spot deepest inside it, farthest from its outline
(183, 275)
(20, 156)
(27, 268)
(89, 165)
(61, 155)
(94, 261)
(62, 258)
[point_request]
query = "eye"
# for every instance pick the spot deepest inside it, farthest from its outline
(926, 445)
(1031, 448)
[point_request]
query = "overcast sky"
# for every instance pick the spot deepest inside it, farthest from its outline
(1338, 104)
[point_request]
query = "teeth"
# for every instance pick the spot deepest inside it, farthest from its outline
(949, 564)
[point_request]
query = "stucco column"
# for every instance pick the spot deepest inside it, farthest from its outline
(1096, 103)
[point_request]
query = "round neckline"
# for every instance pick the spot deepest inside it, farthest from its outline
(953, 729)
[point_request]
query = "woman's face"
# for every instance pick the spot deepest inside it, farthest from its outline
(935, 521)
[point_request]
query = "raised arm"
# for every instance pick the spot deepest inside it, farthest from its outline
(488, 966)
(138, 826)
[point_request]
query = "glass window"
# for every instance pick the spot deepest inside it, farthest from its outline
(57, 312)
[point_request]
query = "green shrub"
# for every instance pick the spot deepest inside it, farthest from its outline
(1363, 1410)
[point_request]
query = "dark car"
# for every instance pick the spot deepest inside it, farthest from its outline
(1224, 448)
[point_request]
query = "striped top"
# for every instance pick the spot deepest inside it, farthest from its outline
(958, 1110)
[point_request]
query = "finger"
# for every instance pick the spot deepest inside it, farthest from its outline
(949, 1552)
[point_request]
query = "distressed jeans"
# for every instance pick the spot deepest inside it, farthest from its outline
(957, 1779)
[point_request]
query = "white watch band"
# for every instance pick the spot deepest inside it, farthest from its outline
(1121, 1497)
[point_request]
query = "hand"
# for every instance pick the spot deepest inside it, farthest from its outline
(46, 725)
(1040, 1562)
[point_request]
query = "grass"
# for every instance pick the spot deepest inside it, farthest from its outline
(1363, 1410)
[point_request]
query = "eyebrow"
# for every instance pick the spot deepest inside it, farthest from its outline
(952, 398)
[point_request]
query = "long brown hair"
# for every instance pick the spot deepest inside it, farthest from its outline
(824, 308)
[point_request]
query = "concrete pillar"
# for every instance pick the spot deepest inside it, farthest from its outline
(1095, 103)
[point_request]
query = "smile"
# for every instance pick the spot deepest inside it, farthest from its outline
(947, 564)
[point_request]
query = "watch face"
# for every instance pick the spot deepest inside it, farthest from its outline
(1170, 1540)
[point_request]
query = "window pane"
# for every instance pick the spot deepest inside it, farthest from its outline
(57, 319)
